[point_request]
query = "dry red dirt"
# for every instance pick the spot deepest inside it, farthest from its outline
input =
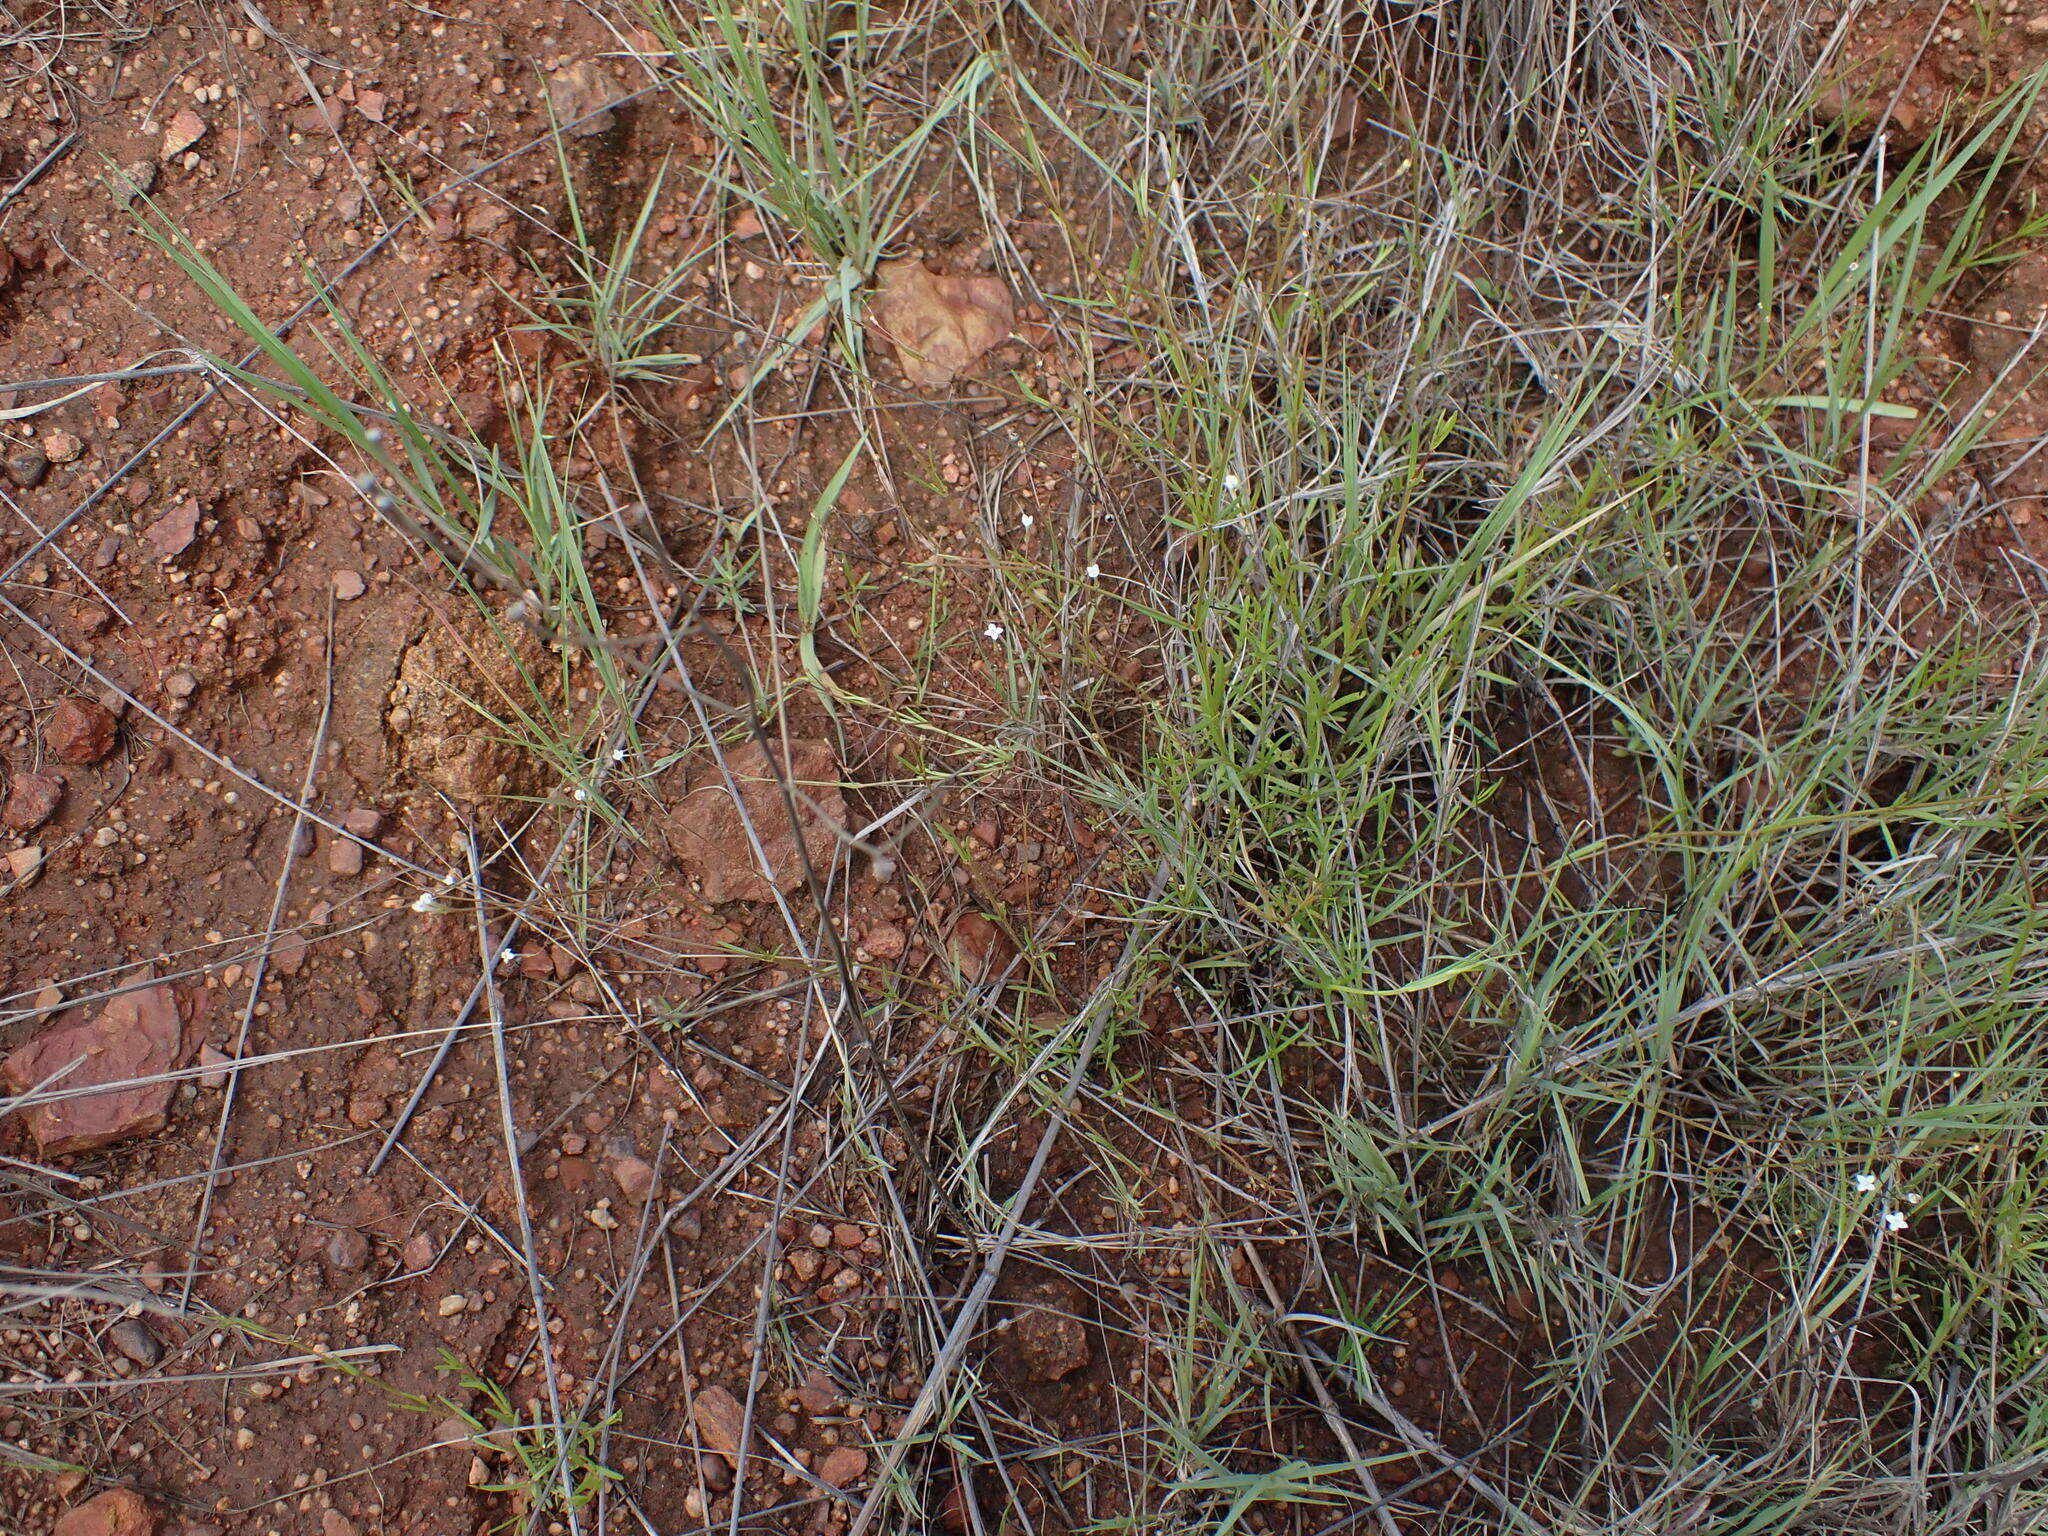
(209, 624)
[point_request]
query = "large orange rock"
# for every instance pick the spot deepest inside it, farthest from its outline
(707, 834)
(138, 1035)
(117, 1512)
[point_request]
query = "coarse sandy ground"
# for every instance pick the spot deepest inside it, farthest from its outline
(1021, 768)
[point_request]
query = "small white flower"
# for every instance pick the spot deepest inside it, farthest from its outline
(1866, 1183)
(1230, 482)
(1094, 571)
(1895, 1220)
(1911, 1197)
(430, 901)
(618, 754)
(1027, 520)
(579, 795)
(994, 631)
(507, 956)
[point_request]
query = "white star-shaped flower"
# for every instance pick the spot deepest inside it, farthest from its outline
(1230, 482)
(1895, 1220)
(1866, 1183)
(994, 630)
(1094, 571)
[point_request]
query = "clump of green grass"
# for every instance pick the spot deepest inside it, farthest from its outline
(504, 521)
(544, 1473)
(620, 307)
(785, 90)
(1545, 759)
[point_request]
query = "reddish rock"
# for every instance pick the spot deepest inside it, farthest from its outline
(578, 91)
(1053, 1344)
(316, 116)
(135, 1339)
(720, 1421)
(344, 856)
(32, 799)
(24, 864)
(940, 323)
(187, 128)
(695, 386)
(816, 1394)
(117, 1512)
(215, 1076)
(885, 941)
(363, 822)
(978, 947)
(27, 466)
(79, 732)
(634, 1176)
(843, 1466)
(347, 1251)
(140, 1034)
(172, 534)
(707, 834)
(953, 1511)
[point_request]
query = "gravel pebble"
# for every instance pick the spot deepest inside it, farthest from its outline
(132, 1337)
(26, 468)
(79, 732)
(347, 1251)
